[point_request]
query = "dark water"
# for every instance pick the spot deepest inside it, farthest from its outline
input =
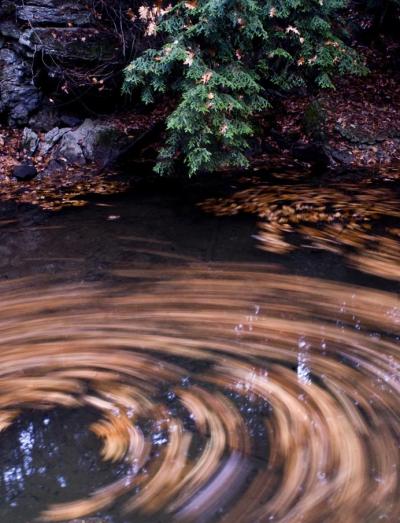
(261, 386)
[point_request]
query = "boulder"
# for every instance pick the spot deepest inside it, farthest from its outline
(19, 97)
(93, 141)
(339, 157)
(70, 149)
(30, 141)
(362, 135)
(24, 172)
(52, 138)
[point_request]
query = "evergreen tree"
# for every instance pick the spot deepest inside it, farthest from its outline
(217, 57)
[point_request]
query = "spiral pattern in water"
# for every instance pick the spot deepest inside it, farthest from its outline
(232, 392)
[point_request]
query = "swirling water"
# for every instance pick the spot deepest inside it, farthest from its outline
(155, 366)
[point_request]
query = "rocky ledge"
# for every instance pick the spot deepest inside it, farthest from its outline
(41, 40)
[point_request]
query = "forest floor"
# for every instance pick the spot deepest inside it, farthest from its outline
(361, 119)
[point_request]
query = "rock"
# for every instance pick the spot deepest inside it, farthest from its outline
(45, 119)
(70, 43)
(42, 3)
(93, 141)
(18, 96)
(30, 141)
(65, 13)
(356, 134)
(52, 138)
(70, 149)
(40, 40)
(339, 157)
(9, 30)
(24, 172)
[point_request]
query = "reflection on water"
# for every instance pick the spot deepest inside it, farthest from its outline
(48, 455)
(226, 392)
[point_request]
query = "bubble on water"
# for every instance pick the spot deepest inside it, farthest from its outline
(239, 329)
(61, 481)
(321, 476)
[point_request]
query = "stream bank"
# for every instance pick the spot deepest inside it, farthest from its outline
(63, 118)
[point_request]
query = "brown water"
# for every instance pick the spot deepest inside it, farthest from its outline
(156, 366)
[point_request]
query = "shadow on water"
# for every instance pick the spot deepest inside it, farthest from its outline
(155, 365)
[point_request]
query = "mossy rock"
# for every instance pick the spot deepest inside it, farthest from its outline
(361, 136)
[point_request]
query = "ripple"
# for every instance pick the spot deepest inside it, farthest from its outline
(231, 392)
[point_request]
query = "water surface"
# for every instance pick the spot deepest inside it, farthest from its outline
(157, 365)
